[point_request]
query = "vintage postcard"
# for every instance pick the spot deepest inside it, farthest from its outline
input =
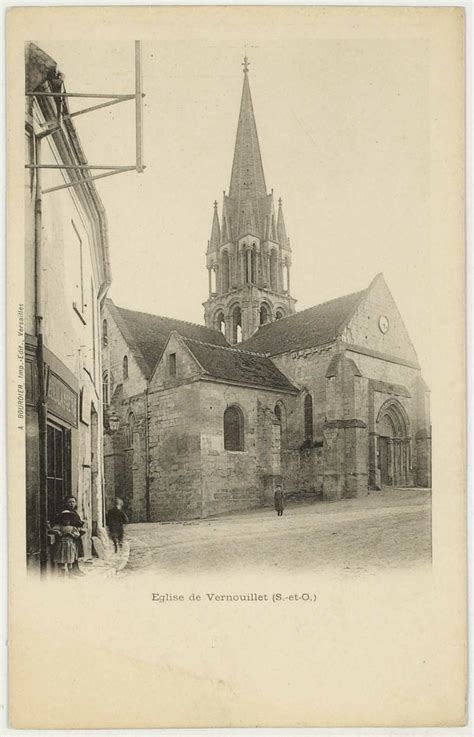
(236, 367)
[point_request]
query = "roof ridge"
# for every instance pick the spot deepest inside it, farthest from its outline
(224, 347)
(166, 317)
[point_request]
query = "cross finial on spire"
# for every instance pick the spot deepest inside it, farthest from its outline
(215, 204)
(246, 64)
(280, 201)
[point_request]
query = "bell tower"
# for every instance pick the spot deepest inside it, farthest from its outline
(248, 254)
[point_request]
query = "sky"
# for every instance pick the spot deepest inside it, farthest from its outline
(344, 130)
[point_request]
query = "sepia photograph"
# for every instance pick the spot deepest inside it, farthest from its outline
(257, 408)
(236, 366)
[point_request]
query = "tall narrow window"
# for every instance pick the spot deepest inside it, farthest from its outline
(105, 389)
(236, 324)
(105, 337)
(273, 270)
(280, 414)
(129, 430)
(79, 305)
(308, 417)
(125, 368)
(253, 265)
(225, 272)
(172, 364)
(233, 428)
(214, 280)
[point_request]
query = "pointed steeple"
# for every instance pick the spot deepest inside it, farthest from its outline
(281, 229)
(214, 242)
(247, 180)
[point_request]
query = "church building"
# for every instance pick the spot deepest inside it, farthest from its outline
(328, 401)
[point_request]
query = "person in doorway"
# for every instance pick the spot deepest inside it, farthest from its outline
(68, 527)
(116, 519)
(279, 499)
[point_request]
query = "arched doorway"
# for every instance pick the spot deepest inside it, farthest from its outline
(394, 450)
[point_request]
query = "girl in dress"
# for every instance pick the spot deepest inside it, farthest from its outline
(65, 548)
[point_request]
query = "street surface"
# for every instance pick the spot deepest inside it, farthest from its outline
(386, 529)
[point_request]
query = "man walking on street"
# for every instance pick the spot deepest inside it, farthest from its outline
(279, 499)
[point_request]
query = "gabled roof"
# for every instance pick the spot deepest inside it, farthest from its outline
(148, 334)
(238, 366)
(305, 329)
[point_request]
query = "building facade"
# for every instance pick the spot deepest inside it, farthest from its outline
(328, 401)
(67, 274)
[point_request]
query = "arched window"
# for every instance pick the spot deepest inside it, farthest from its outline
(129, 430)
(125, 367)
(308, 417)
(273, 270)
(233, 428)
(280, 414)
(219, 322)
(106, 388)
(236, 324)
(225, 272)
(264, 315)
(279, 314)
(105, 337)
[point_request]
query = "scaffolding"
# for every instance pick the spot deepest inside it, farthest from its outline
(108, 170)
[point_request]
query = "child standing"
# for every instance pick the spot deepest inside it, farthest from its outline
(116, 519)
(65, 547)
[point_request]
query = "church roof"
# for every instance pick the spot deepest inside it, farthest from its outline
(148, 334)
(305, 329)
(239, 366)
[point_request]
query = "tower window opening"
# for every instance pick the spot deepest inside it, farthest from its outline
(225, 272)
(105, 337)
(236, 324)
(219, 322)
(125, 368)
(264, 315)
(214, 280)
(273, 271)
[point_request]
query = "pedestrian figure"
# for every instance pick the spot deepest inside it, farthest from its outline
(68, 529)
(65, 553)
(116, 519)
(279, 499)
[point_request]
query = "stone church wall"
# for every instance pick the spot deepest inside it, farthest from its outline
(175, 486)
(303, 469)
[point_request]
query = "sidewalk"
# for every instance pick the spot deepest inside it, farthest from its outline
(108, 564)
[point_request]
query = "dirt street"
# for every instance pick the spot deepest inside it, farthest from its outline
(389, 528)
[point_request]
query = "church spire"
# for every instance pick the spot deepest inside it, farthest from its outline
(214, 242)
(247, 179)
